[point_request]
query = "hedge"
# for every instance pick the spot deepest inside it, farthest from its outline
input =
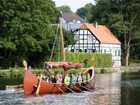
(12, 73)
(90, 59)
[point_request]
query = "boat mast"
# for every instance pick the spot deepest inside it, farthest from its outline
(61, 42)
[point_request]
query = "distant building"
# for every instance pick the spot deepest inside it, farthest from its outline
(97, 38)
(71, 21)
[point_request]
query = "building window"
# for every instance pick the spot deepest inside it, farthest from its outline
(104, 50)
(80, 50)
(89, 50)
(101, 50)
(85, 37)
(81, 37)
(119, 53)
(115, 52)
(90, 37)
(94, 50)
(76, 37)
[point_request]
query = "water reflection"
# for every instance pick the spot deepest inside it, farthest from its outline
(112, 85)
(110, 90)
(130, 89)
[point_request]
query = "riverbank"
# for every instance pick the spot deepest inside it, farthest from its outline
(118, 69)
(18, 72)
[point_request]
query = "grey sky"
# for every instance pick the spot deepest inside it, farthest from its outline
(73, 4)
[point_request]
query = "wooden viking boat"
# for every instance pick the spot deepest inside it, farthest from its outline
(37, 86)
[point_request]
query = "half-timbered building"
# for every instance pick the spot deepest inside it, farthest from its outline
(96, 38)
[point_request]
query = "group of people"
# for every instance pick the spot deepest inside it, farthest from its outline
(67, 79)
(53, 79)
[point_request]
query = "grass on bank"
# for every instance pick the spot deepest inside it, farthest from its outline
(19, 72)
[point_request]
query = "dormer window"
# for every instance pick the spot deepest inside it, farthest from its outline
(74, 21)
(78, 22)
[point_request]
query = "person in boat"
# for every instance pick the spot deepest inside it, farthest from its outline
(70, 78)
(37, 75)
(59, 79)
(79, 78)
(73, 78)
(88, 77)
(46, 77)
(84, 78)
(52, 79)
(49, 78)
(29, 68)
(67, 80)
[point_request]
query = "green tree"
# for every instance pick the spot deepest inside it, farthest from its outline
(122, 16)
(25, 30)
(68, 38)
(86, 12)
(64, 9)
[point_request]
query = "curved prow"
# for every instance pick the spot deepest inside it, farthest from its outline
(25, 64)
(90, 71)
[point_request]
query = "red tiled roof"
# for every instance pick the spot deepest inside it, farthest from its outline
(102, 33)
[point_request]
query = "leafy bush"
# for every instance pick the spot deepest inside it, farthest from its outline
(90, 59)
(12, 73)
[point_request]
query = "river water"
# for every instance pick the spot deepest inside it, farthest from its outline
(111, 89)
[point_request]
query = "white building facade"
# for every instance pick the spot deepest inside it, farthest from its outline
(71, 21)
(91, 39)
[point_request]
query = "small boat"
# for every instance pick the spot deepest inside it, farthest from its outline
(32, 84)
(37, 86)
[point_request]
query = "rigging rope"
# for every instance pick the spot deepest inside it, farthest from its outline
(53, 48)
(54, 44)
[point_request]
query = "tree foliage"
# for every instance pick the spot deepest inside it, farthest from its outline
(68, 38)
(65, 9)
(123, 17)
(86, 12)
(25, 30)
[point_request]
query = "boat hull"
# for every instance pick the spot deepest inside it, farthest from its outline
(31, 83)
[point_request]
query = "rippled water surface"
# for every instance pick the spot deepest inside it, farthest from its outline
(111, 89)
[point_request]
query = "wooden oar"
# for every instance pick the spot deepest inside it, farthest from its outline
(77, 88)
(59, 88)
(38, 87)
(85, 87)
(69, 89)
(90, 84)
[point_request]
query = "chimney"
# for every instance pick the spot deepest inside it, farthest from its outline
(96, 23)
(85, 18)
